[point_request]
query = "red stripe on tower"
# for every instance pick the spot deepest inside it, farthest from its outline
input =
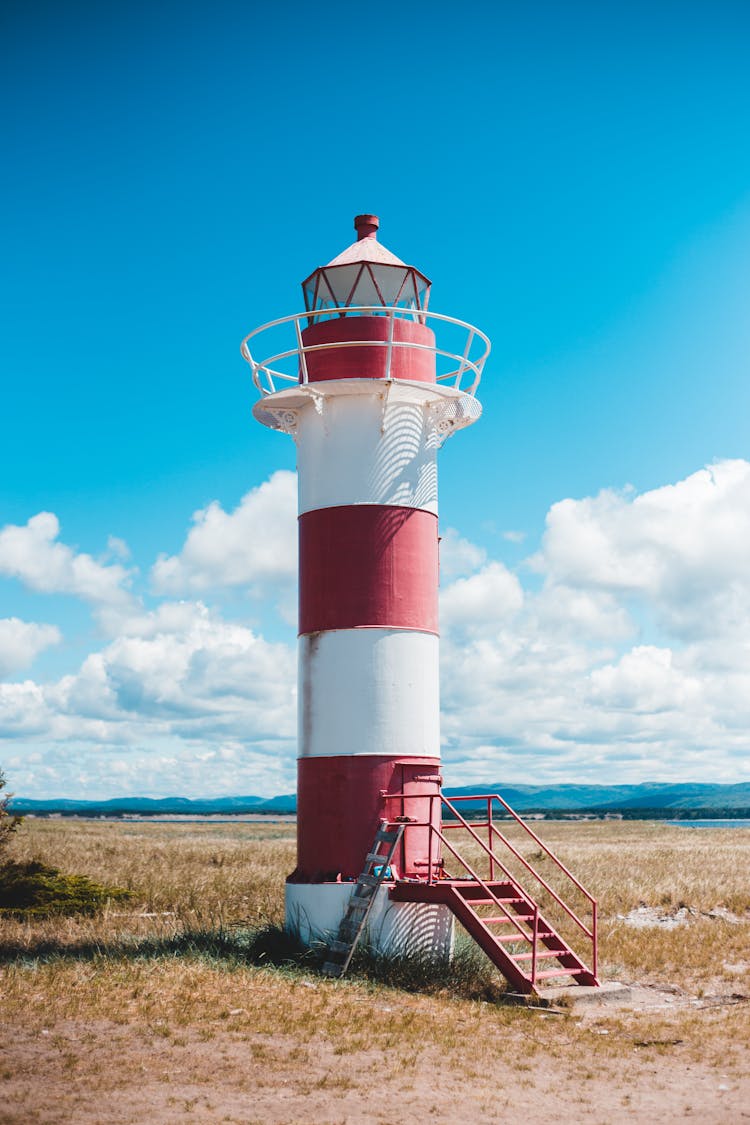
(408, 348)
(364, 565)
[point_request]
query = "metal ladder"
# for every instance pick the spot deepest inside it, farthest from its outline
(341, 949)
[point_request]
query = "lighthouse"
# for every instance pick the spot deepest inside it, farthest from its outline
(369, 383)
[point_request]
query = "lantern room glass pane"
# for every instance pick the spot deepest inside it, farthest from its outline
(376, 285)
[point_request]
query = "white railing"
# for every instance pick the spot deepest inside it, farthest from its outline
(265, 373)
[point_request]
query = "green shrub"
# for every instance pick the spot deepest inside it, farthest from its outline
(33, 890)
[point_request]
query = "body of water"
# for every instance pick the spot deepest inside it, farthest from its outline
(726, 823)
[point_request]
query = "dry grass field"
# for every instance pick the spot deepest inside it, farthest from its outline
(153, 1009)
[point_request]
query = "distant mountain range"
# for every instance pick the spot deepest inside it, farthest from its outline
(646, 799)
(148, 806)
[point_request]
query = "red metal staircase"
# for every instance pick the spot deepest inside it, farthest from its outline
(495, 910)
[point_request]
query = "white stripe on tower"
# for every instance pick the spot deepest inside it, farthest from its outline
(365, 448)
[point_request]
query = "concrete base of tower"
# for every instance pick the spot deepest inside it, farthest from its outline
(314, 911)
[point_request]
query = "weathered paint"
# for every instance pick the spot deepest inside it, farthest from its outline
(369, 691)
(314, 911)
(339, 806)
(367, 448)
(366, 565)
(359, 361)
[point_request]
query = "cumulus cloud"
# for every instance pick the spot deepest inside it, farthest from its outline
(644, 680)
(33, 554)
(458, 556)
(620, 651)
(22, 641)
(188, 667)
(682, 548)
(254, 546)
(23, 711)
(561, 680)
(481, 602)
(203, 687)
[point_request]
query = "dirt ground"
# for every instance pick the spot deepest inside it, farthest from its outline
(591, 1063)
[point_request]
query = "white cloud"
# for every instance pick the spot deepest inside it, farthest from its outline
(22, 641)
(118, 548)
(32, 554)
(253, 546)
(458, 556)
(562, 683)
(480, 603)
(646, 679)
(187, 686)
(23, 711)
(627, 657)
(683, 549)
(188, 668)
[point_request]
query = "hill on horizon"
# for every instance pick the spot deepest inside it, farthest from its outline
(569, 798)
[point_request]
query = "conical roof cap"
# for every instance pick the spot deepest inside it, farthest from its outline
(366, 248)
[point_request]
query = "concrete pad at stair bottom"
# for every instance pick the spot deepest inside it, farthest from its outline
(611, 992)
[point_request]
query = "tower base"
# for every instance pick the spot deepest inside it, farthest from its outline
(396, 929)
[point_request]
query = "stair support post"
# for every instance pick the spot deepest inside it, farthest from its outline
(430, 837)
(534, 934)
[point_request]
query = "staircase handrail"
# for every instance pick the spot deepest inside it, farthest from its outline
(529, 831)
(477, 878)
(550, 890)
(591, 934)
(571, 913)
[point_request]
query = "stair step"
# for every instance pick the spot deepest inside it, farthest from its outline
(494, 888)
(373, 857)
(339, 947)
(493, 901)
(384, 837)
(504, 919)
(559, 973)
(366, 880)
(539, 953)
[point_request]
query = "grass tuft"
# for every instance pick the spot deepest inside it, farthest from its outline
(469, 975)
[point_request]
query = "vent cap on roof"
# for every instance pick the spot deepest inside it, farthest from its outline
(366, 226)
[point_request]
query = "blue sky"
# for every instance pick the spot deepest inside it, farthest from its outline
(574, 178)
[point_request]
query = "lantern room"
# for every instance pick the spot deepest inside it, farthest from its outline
(369, 300)
(366, 274)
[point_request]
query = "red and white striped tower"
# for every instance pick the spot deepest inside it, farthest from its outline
(373, 398)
